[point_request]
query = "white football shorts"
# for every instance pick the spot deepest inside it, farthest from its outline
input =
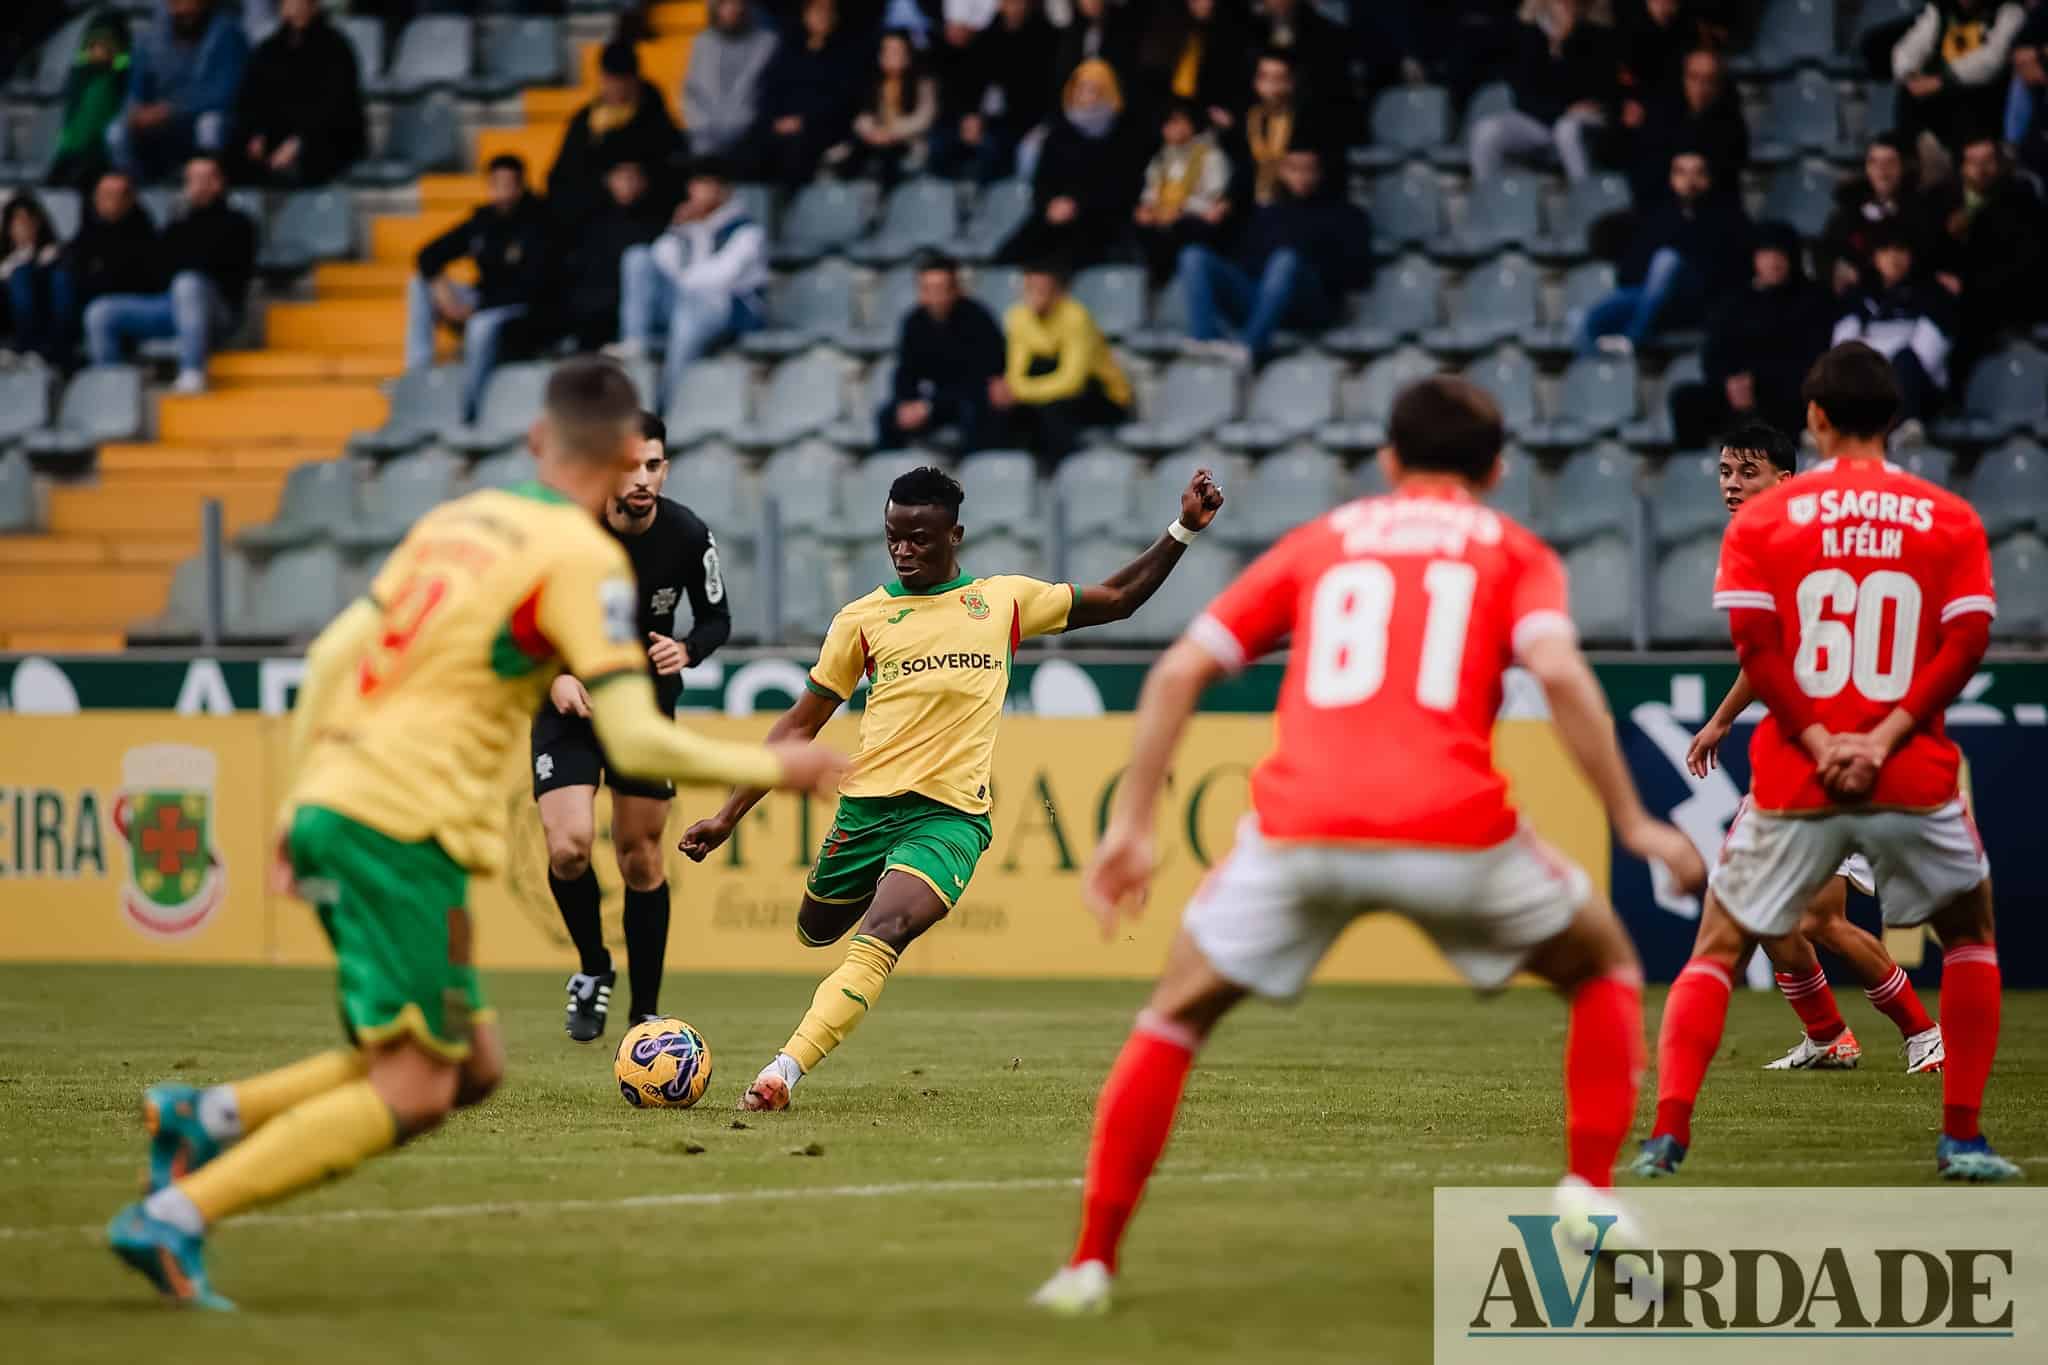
(1269, 912)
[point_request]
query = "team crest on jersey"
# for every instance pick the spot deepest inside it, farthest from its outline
(176, 879)
(977, 605)
(1801, 510)
(890, 671)
(663, 602)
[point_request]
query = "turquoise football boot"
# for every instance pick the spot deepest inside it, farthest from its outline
(1972, 1160)
(173, 1261)
(178, 1142)
(1659, 1157)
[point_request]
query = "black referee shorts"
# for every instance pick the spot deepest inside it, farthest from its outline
(566, 754)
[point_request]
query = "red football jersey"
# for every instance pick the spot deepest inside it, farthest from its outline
(1405, 612)
(1862, 562)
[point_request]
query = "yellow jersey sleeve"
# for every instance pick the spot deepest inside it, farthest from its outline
(584, 609)
(841, 659)
(1042, 608)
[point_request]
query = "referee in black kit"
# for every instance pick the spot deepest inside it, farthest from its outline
(673, 556)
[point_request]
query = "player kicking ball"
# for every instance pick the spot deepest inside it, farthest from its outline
(936, 647)
(1860, 601)
(1405, 612)
(673, 558)
(1757, 457)
(411, 700)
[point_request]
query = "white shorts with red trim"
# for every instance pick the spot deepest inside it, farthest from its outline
(1771, 865)
(1270, 911)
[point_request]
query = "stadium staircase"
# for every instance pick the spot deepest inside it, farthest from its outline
(111, 542)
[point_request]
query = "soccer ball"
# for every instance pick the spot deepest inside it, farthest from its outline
(662, 1064)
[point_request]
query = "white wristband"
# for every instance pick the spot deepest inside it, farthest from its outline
(1180, 532)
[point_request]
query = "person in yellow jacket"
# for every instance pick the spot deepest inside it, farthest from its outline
(1059, 375)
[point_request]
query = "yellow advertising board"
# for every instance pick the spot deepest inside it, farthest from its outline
(141, 836)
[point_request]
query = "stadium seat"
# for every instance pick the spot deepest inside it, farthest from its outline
(826, 216)
(17, 493)
(1496, 303)
(1931, 463)
(809, 598)
(1114, 296)
(804, 480)
(297, 592)
(998, 212)
(1601, 576)
(1002, 490)
(895, 294)
(512, 399)
(1654, 428)
(1685, 499)
(1683, 605)
(1287, 488)
(66, 208)
(1363, 401)
(1160, 494)
(1503, 211)
(1803, 116)
(52, 66)
(710, 400)
(1194, 398)
(425, 135)
(1407, 121)
(436, 52)
(858, 430)
(1407, 211)
(1802, 195)
(1516, 493)
(922, 213)
(1510, 376)
(318, 502)
(365, 33)
(1403, 304)
(516, 53)
(310, 226)
(1368, 480)
(1096, 488)
(806, 394)
(1290, 398)
(1880, 108)
(1791, 33)
(1197, 581)
(804, 309)
(1586, 202)
(511, 468)
(994, 287)
(1585, 284)
(1495, 97)
(2019, 565)
(2009, 489)
(424, 403)
(993, 550)
(715, 483)
(34, 136)
(864, 491)
(184, 610)
(2007, 391)
(403, 491)
(1598, 397)
(1593, 494)
(1095, 559)
(102, 403)
(757, 201)
(24, 402)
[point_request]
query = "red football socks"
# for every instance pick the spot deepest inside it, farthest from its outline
(1897, 1001)
(1694, 1014)
(1133, 1117)
(1814, 1002)
(1969, 1032)
(1603, 1066)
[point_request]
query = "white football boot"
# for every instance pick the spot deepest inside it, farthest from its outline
(1076, 1291)
(1840, 1055)
(1925, 1053)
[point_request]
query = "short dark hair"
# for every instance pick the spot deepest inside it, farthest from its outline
(1284, 56)
(591, 405)
(1893, 141)
(652, 428)
(1181, 107)
(1887, 235)
(506, 161)
(1855, 387)
(1761, 438)
(928, 486)
(710, 168)
(218, 162)
(1055, 266)
(936, 260)
(1448, 425)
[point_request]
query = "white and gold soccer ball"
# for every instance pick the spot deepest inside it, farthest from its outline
(662, 1064)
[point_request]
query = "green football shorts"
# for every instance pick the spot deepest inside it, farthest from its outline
(871, 835)
(396, 916)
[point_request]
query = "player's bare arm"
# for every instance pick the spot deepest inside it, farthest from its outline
(1121, 594)
(1705, 753)
(800, 722)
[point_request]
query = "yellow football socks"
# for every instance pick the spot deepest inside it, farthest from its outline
(324, 1136)
(842, 1001)
(262, 1098)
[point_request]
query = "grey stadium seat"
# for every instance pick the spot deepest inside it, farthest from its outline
(826, 216)
(1601, 575)
(34, 135)
(424, 403)
(1114, 296)
(1504, 211)
(403, 492)
(512, 399)
(1097, 491)
(1407, 210)
(1195, 397)
(805, 482)
(1160, 494)
(1404, 303)
(1802, 195)
(53, 64)
(858, 430)
(310, 226)
(2007, 391)
(895, 294)
(1407, 121)
(1791, 33)
(921, 213)
(717, 486)
(318, 502)
(1166, 327)
(1364, 401)
(998, 212)
(1656, 428)
(1287, 488)
(17, 493)
(365, 33)
(1593, 494)
(994, 287)
(425, 135)
(508, 469)
(1685, 499)
(1002, 490)
(864, 491)
(1804, 115)
(1516, 493)
(806, 394)
(1598, 397)
(2009, 489)
(102, 403)
(803, 309)
(1199, 580)
(711, 400)
(2019, 565)
(24, 402)
(1495, 97)
(1931, 463)
(1586, 202)
(184, 610)
(1510, 376)
(1292, 397)
(1683, 606)
(436, 52)
(516, 53)
(1496, 303)
(66, 208)
(991, 549)
(1585, 284)
(296, 594)
(808, 596)
(1095, 559)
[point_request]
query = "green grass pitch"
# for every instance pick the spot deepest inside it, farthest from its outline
(905, 1209)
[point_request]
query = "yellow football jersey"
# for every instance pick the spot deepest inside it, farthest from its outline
(486, 600)
(938, 668)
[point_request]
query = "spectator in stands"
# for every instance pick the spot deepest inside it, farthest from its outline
(115, 250)
(1699, 111)
(1951, 67)
(1885, 196)
(94, 94)
(37, 300)
(2025, 129)
(704, 279)
(1760, 342)
(1687, 250)
(593, 254)
(1269, 129)
(208, 256)
(1060, 376)
(184, 78)
(1299, 256)
(301, 113)
(1907, 321)
(1186, 195)
(722, 90)
(1317, 47)
(1106, 29)
(808, 94)
(507, 240)
(1195, 50)
(994, 91)
(1989, 229)
(895, 117)
(949, 361)
(1565, 71)
(1654, 37)
(628, 121)
(1087, 176)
